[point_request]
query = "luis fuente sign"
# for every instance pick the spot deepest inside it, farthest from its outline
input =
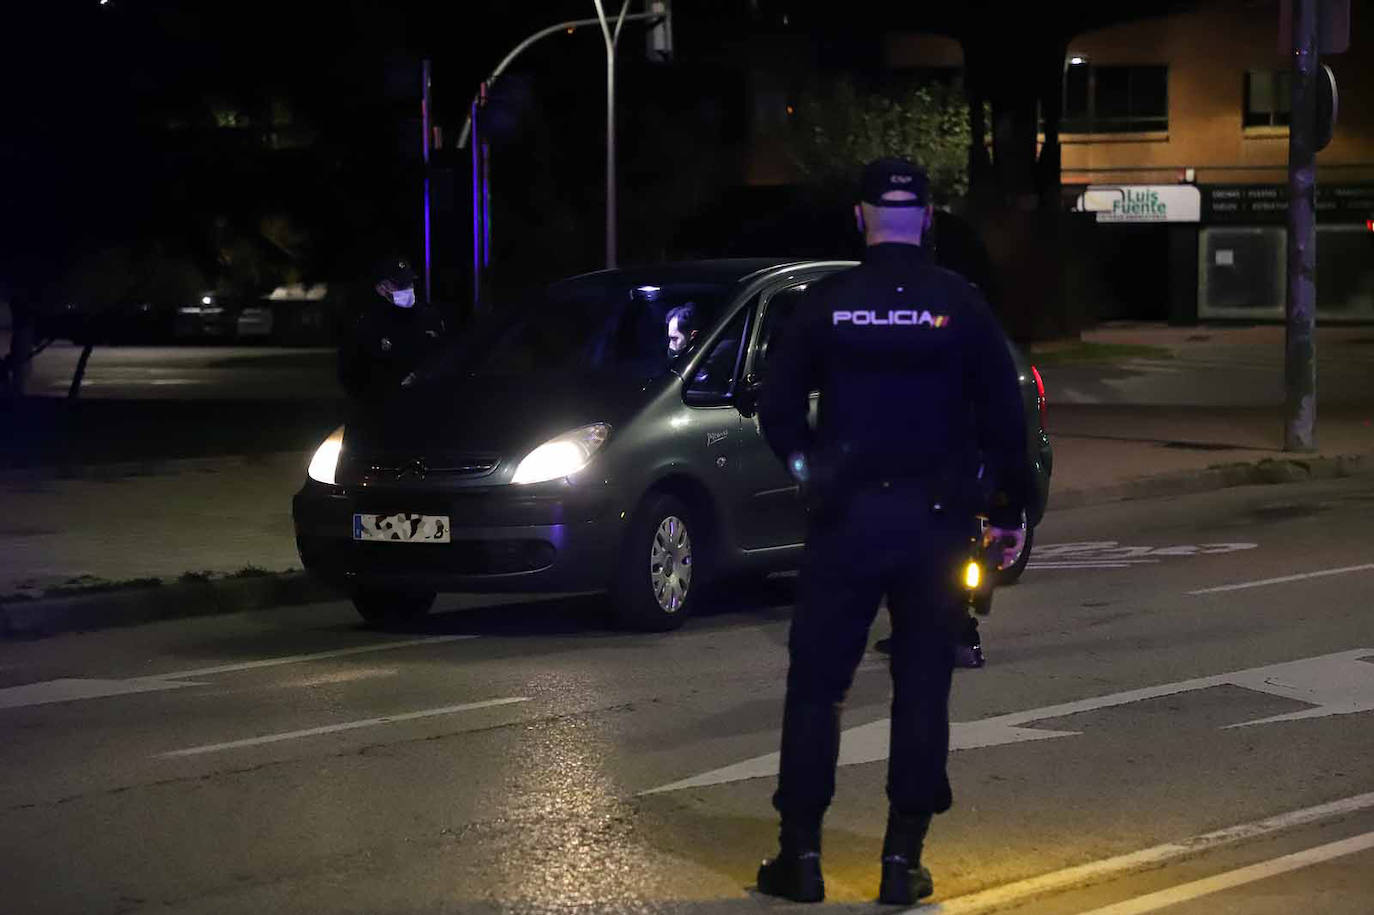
(1142, 203)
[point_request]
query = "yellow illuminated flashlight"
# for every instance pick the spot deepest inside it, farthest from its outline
(973, 575)
(978, 579)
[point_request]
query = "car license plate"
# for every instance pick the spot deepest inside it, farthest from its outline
(403, 527)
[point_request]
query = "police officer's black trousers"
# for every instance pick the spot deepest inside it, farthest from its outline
(882, 542)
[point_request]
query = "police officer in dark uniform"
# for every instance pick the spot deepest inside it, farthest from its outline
(917, 391)
(392, 334)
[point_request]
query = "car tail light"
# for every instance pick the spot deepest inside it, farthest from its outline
(1040, 397)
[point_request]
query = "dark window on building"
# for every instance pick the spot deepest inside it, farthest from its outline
(1268, 97)
(1115, 99)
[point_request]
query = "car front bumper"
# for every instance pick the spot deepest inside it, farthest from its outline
(503, 539)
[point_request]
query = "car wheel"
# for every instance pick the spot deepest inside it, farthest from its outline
(657, 580)
(1012, 573)
(386, 605)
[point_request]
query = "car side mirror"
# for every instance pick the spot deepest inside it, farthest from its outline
(747, 397)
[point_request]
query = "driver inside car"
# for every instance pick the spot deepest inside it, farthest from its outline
(715, 373)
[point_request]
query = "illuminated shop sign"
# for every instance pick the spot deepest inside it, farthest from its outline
(1141, 202)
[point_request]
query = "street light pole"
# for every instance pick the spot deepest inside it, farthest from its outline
(481, 221)
(568, 27)
(612, 40)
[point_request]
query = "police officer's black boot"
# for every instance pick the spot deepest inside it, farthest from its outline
(795, 873)
(905, 880)
(968, 653)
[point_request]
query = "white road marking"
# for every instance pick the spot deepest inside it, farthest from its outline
(1084, 565)
(1335, 684)
(317, 656)
(1205, 887)
(343, 726)
(1112, 551)
(1369, 566)
(1097, 871)
(70, 689)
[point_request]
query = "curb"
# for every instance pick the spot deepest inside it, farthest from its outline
(132, 606)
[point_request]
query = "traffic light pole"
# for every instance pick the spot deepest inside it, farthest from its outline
(481, 204)
(1300, 365)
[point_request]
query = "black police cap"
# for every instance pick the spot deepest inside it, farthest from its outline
(883, 176)
(398, 272)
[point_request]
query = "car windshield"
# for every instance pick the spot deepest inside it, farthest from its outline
(597, 325)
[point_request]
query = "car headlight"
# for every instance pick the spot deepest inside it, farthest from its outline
(326, 459)
(562, 456)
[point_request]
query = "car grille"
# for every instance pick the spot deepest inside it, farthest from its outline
(392, 467)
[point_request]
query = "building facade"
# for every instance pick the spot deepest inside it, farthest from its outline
(1183, 120)
(1201, 98)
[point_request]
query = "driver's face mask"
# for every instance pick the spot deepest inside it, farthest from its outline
(403, 298)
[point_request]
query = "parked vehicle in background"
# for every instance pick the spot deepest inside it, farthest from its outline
(294, 314)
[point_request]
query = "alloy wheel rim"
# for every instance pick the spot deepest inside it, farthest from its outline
(1025, 530)
(670, 564)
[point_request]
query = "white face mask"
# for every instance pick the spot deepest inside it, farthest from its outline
(403, 298)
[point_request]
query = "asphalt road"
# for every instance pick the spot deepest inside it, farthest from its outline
(522, 757)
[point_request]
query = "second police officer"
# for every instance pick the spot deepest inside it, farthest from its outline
(392, 334)
(917, 393)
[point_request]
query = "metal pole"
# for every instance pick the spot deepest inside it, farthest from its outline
(486, 204)
(610, 156)
(1300, 364)
(426, 139)
(477, 206)
(481, 232)
(568, 27)
(612, 40)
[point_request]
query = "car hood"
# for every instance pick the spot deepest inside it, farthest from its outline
(502, 417)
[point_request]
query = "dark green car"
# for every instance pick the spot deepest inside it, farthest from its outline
(561, 447)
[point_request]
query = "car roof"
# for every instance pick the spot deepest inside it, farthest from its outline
(723, 271)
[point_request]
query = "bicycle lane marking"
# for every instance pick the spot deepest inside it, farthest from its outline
(1110, 554)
